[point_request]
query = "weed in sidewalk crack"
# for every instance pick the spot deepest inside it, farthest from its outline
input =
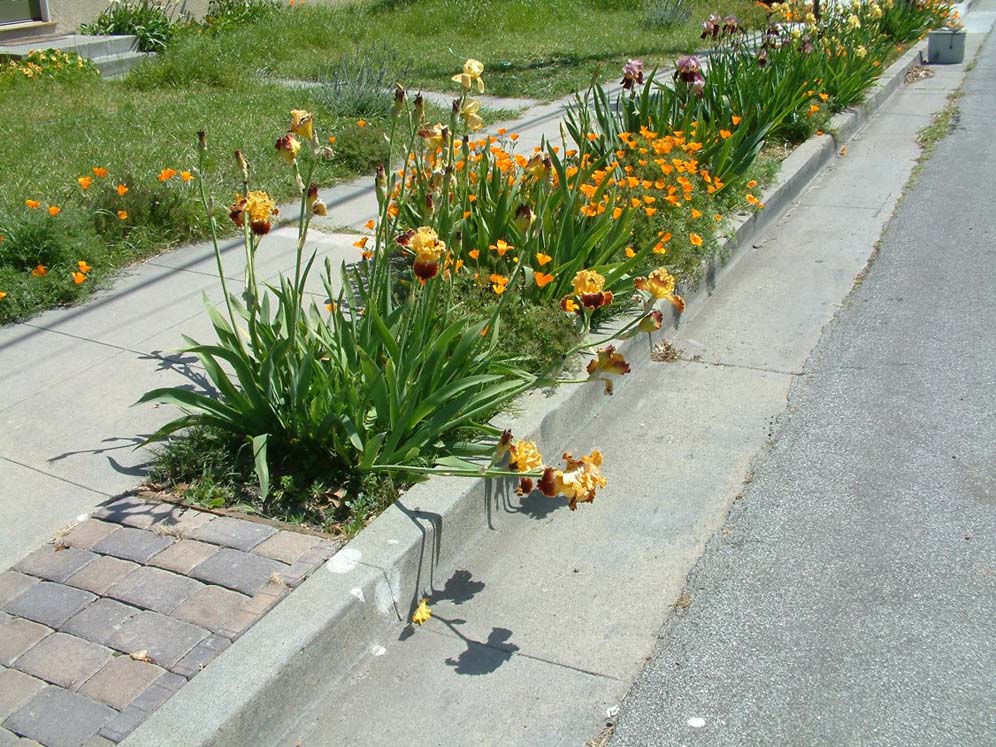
(664, 352)
(603, 736)
(917, 72)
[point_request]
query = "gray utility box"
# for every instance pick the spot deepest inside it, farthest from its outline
(946, 47)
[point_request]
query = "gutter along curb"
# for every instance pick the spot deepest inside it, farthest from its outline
(258, 688)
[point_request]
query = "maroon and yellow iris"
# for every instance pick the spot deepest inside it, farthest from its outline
(428, 249)
(258, 207)
(589, 292)
(608, 361)
(578, 481)
(660, 285)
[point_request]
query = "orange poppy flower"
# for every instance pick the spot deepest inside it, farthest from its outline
(542, 278)
(84, 267)
(32, 204)
(122, 190)
(100, 172)
(79, 278)
(501, 247)
(40, 271)
(54, 210)
(695, 239)
(85, 182)
(122, 215)
(498, 283)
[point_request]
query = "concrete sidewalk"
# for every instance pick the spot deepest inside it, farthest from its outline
(542, 623)
(67, 428)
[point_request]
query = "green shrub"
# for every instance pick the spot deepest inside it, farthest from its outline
(663, 14)
(153, 22)
(224, 14)
(361, 84)
(905, 21)
(34, 239)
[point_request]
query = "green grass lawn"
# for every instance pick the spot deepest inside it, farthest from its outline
(535, 49)
(55, 133)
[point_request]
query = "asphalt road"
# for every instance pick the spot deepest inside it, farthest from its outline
(851, 597)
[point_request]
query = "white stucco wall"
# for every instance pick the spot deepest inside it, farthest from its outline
(69, 14)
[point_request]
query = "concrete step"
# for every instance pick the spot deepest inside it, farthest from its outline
(116, 65)
(89, 47)
(11, 33)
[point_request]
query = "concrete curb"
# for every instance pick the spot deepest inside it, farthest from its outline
(255, 690)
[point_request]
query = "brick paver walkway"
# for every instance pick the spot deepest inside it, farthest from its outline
(100, 627)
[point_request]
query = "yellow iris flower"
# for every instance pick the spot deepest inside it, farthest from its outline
(469, 114)
(471, 76)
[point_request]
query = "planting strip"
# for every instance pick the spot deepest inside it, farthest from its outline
(301, 648)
